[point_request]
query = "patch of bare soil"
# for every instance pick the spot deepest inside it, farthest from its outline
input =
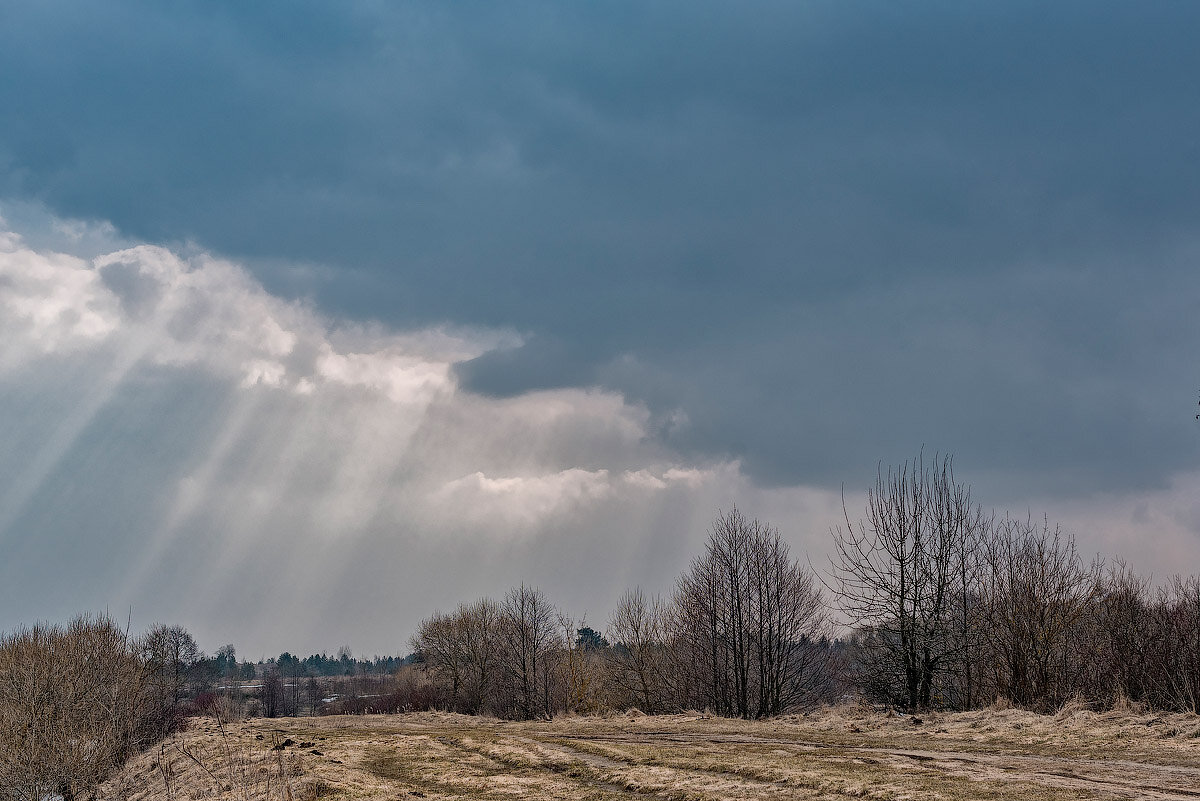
(835, 753)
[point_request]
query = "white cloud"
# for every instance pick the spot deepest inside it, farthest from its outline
(400, 376)
(50, 303)
(524, 501)
(210, 313)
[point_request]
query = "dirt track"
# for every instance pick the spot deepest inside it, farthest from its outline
(832, 754)
(1101, 778)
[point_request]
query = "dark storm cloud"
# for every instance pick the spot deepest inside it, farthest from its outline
(811, 236)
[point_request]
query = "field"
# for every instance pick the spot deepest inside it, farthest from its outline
(844, 752)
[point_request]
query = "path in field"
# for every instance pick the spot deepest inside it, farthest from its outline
(687, 753)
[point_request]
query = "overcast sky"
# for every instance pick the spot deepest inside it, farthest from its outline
(315, 317)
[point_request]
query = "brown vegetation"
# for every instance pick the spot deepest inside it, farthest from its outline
(830, 753)
(74, 704)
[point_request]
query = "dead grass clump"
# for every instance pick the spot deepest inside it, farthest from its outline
(1071, 707)
(1123, 704)
(1001, 704)
(227, 710)
(313, 789)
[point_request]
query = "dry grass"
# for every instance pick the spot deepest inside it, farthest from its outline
(843, 752)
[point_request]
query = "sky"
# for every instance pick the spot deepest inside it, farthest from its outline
(316, 317)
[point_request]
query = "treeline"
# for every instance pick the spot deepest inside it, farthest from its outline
(222, 670)
(938, 604)
(288, 686)
(344, 664)
(745, 633)
(955, 608)
(320, 685)
(283, 686)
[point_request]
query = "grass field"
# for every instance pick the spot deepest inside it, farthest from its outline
(843, 752)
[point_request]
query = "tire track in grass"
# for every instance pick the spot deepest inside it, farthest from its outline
(693, 780)
(1112, 778)
(623, 777)
(573, 776)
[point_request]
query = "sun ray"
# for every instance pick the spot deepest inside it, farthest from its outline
(39, 467)
(195, 489)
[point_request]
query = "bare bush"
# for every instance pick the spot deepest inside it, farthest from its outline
(1177, 629)
(528, 637)
(73, 707)
(1037, 591)
(580, 677)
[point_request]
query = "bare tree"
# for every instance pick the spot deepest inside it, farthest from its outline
(1178, 628)
(789, 628)
(272, 693)
(895, 575)
(699, 656)
(441, 651)
(1116, 639)
(462, 649)
(637, 659)
(968, 529)
(527, 636)
(479, 631)
(745, 622)
(169, 653)
(315, 692)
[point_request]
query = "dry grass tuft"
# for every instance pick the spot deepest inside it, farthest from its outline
(1071, 707)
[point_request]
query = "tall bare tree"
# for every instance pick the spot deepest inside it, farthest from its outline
(528, 635)
(789, 628)
(169, 653)
(745, 622)
(895, 575)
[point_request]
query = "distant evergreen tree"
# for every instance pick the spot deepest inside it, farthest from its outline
(590, 640)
